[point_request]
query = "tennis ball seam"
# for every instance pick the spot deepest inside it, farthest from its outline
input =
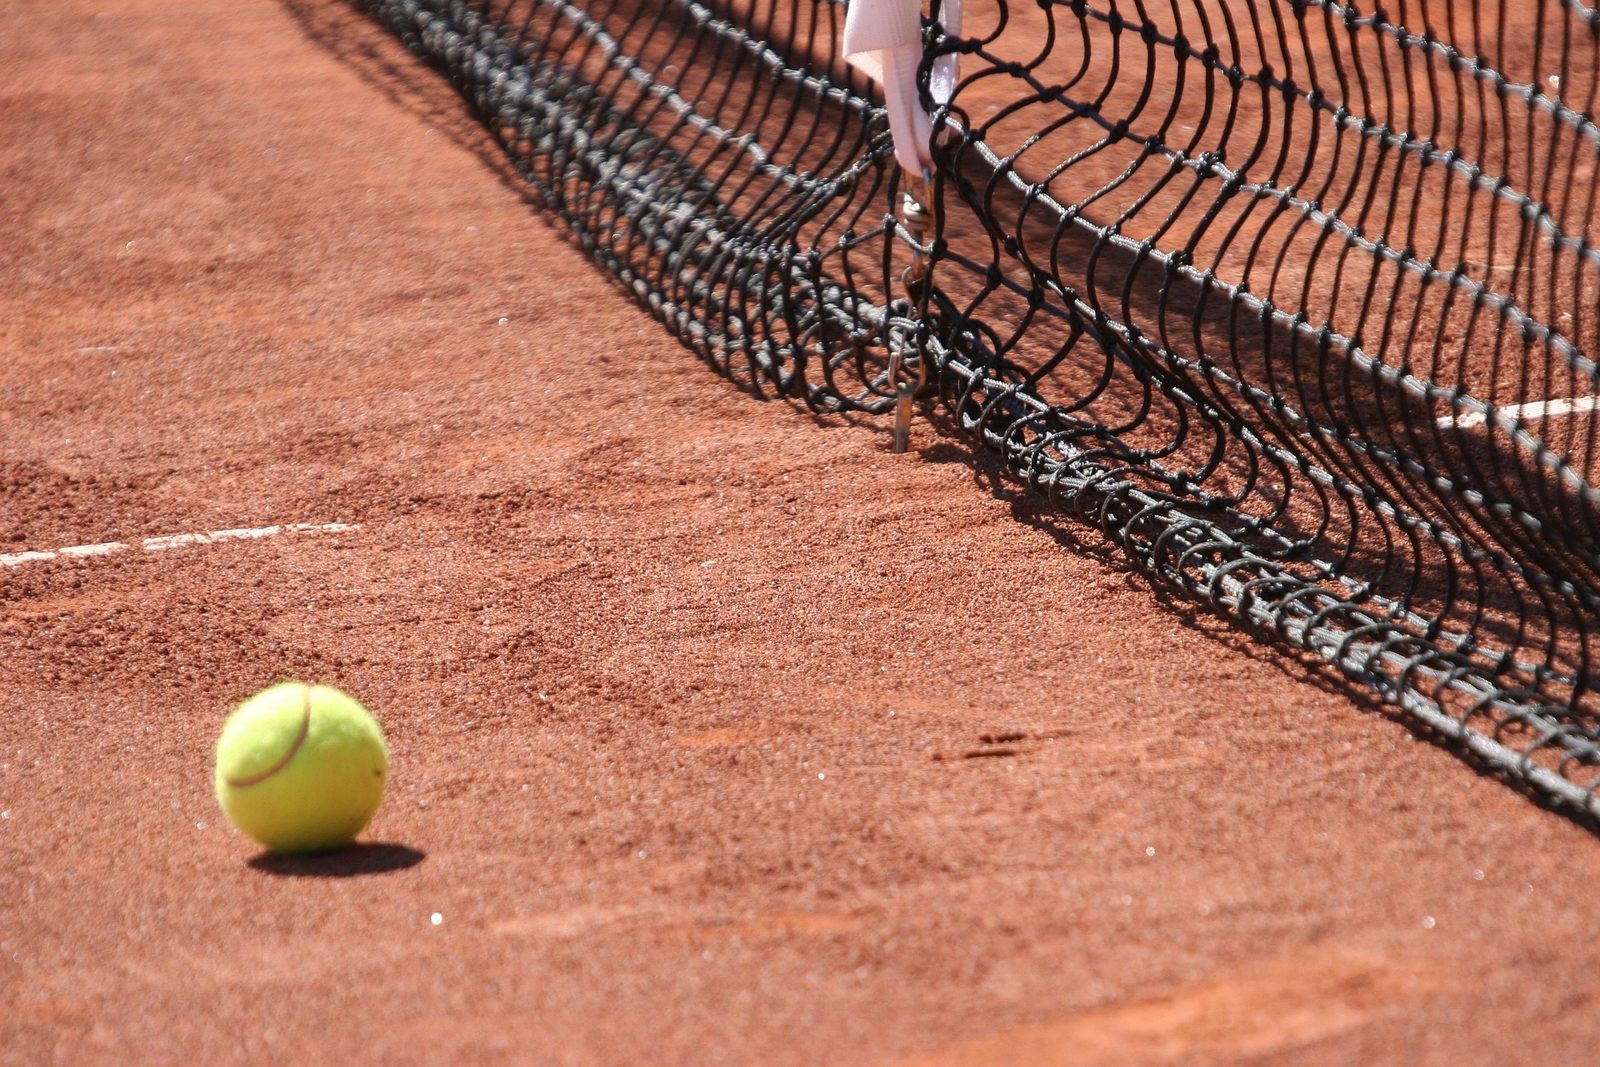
(294, 748)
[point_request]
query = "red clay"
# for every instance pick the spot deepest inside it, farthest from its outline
(681, 687)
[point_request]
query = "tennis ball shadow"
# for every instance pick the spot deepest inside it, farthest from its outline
(352, 861)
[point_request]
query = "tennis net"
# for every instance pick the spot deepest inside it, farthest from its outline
(1297, 301)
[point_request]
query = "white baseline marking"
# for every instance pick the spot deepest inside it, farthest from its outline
(1539, 409)
(161, 544)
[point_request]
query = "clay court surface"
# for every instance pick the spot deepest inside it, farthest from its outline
(720, 734)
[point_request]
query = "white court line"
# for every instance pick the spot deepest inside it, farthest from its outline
(1540, 409)
(161, 544)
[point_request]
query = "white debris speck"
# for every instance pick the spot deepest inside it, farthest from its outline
(1427, 922)
(436, 918)
(504, 321)
(1150, 850)
(1477, 876)
(821, 777)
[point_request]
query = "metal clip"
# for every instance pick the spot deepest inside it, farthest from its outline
(908, 380)
(906, 386)
(917, 220)
(902, 416)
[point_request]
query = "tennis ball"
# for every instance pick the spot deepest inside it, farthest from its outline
(301, 768)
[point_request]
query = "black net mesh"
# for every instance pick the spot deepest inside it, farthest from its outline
(1297, 301)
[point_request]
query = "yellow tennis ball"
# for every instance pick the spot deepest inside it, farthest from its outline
(301, 768)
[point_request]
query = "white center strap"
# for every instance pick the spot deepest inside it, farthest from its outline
(883, 40)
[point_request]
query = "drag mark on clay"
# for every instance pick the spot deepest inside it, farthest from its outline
(170, 541)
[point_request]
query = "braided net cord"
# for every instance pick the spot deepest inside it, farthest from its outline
(1296, 301)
